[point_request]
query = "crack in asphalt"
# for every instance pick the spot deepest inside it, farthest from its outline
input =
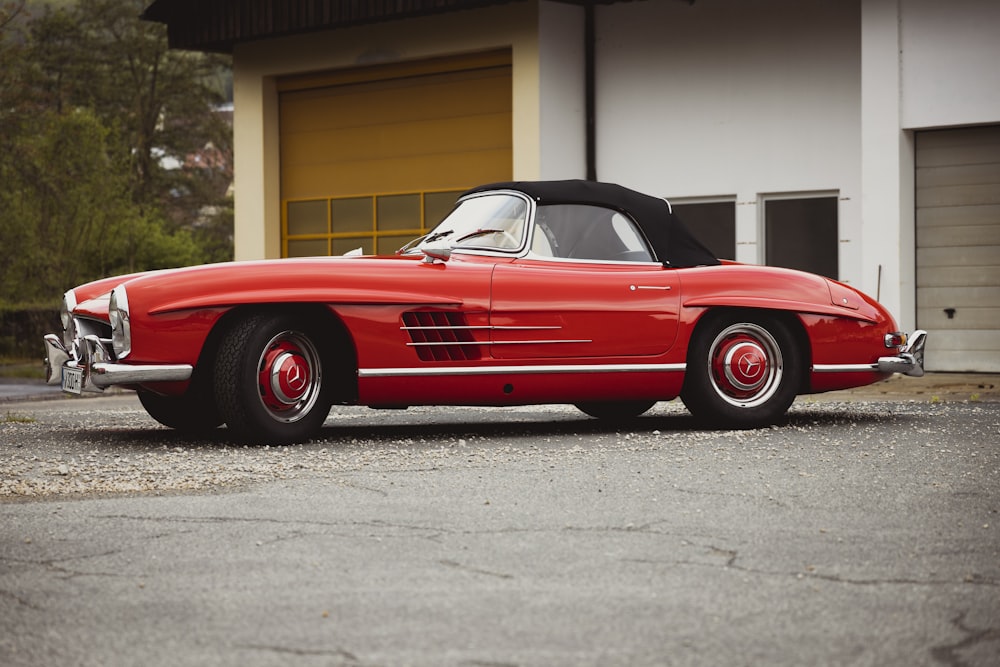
(475, 570)
(20, 600)
(731, 557)
(288, 650)
(948, 654)
(277, 522)
(66, 573)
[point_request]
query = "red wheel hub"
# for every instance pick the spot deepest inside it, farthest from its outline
(285, 376)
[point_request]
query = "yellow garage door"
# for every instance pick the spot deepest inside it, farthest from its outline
(373, 157)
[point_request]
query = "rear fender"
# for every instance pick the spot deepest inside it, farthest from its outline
(793, 321)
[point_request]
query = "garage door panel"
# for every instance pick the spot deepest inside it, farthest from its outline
(956, 216)
(958, 235)
(959, 195)
(963, 137)
(936, 319)
(963, 361)
(960, 297)
(958, 175)
(962, 350)
(960, 276)
(955, 147)
(958, 256)
(430, 172)
(462, 135)
(364, 105)
(973, 340)
(974, 154)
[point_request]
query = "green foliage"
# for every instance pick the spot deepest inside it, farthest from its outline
(12, 418)
(91, 104)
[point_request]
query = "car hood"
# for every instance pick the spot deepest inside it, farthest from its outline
(320, 279)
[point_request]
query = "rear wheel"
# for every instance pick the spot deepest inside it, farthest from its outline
(615, 410)
(743, 370)
(269, 380)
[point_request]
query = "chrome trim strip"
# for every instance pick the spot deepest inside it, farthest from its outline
(491, 342)
(520, 370)
(844, 368)
(446, 327)
(648, 263)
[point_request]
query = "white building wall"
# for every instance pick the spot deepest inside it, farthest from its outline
(562, 90)
(950, 62)
(887, 172)
(734, 99)
(925, 64)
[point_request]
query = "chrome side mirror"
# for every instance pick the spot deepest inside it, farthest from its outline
(435, 250)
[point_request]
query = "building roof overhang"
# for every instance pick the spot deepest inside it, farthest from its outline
(217, 25)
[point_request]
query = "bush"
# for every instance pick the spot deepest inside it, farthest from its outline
(22, 328)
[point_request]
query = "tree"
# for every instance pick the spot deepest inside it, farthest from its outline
(70, 214)
(99, 55)
(94, 113)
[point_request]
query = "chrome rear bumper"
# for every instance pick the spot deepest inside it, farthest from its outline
(910, 360)
(88, 367)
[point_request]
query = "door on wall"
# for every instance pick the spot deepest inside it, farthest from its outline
(958, 247)
(373, 157)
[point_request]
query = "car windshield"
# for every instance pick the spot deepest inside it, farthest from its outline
(494, 222)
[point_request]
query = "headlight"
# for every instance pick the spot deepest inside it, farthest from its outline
(121, 329)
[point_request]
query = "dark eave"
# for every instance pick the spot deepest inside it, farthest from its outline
(217, 25)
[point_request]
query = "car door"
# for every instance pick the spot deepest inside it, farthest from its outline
(543, 310)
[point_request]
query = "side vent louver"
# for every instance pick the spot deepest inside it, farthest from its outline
(440, 336)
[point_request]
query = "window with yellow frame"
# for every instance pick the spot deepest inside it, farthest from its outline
(377, 223)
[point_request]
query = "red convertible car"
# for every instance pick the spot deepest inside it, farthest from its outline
(526, 293)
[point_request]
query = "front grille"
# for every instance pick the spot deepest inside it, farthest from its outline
(440, 335)
(83, 327)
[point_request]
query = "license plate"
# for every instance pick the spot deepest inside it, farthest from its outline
(72, 380)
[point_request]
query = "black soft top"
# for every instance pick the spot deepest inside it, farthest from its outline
(672, 242)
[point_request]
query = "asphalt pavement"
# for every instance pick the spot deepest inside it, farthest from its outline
(860, 531)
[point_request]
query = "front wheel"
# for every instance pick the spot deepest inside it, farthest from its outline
(269, 380)
(193, 413)
(743, 371)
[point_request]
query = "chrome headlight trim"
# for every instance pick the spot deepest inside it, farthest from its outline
(66, 317)
(121, 327)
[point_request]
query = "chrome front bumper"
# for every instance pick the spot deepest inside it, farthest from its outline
(910, 360)
(88, 366)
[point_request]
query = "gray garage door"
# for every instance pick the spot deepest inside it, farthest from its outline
(958, 247)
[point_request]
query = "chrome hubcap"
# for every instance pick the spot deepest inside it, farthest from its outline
(746, 365)
(289, 376)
